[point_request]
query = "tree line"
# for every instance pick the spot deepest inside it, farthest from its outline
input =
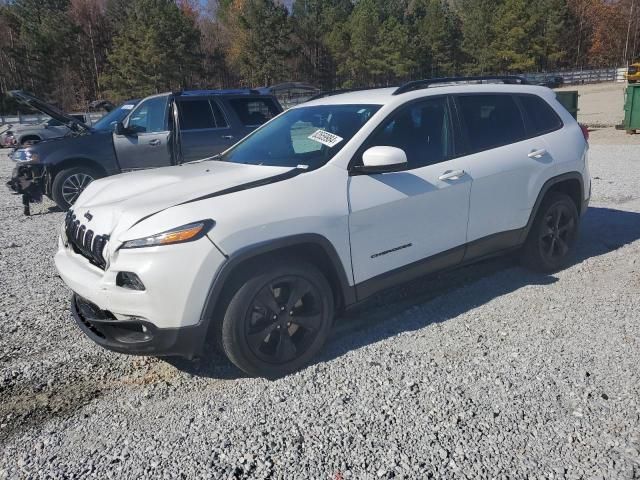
(75, 51)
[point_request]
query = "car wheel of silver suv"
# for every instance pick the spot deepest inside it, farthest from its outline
(278, 318)
(69, 184)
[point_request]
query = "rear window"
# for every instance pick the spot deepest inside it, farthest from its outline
(490, 121)
(254, 111)
(542, 118)
(196, 115)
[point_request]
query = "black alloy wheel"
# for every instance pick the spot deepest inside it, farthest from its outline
(557, 236)
(551, 242)
(284, 319)
(70, 183)
(277, 315)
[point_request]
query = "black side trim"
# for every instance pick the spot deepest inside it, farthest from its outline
(386, 252)
(543, 191)
(410, 272)
(489, 246)
(456, 257)
(363, 170)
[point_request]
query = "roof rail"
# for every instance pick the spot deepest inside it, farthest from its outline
(231, 91)
(330, 93)
(419, 84)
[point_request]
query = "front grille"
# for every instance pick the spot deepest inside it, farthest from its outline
(85, 242)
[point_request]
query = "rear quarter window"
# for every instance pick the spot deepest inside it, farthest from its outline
(254, 111)
(541, 117)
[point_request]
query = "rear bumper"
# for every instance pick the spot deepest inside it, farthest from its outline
(135, 337)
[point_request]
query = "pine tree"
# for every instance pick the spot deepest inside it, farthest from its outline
(155, 49)
(260, 42)
(313, 21)
(514, 48)
(372, 46)
(477, 20)
(41, 47)
(552, 38)
(437, 38)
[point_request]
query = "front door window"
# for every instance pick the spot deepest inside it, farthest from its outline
(150, 116)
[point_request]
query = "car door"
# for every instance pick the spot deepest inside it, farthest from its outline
(204, 129)
(503, 162)
(408, 223)
(146, 142)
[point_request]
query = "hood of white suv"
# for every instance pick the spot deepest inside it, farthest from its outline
(123, 200)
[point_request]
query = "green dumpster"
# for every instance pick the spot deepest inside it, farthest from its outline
(569, 100)
(632, 108)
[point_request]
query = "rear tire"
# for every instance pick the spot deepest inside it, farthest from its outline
(70, 183)
(278, 318)
(551, 242)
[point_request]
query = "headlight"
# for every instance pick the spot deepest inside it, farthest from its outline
(63, 235)
(185, 233)
(23, 155)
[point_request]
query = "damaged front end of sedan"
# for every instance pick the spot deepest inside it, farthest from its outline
(28, 179)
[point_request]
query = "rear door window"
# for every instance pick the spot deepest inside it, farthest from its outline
(221, 121)
(490, 120)
(541, 117)
(196, 115)
(254, 111)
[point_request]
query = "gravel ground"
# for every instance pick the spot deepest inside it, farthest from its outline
(487, 372)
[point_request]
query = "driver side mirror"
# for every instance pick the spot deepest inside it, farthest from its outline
(382, 159)
(120, 129)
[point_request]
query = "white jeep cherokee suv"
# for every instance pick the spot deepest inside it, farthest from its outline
(320, 208)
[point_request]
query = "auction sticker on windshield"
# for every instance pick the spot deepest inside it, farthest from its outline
(326, 138)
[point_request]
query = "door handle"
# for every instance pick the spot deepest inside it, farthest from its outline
(538, 153)
(452, 175)
(227, 137)
(154, 143)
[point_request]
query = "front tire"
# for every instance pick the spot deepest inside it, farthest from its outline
(70, 183)
(278, 318)
(551, 242)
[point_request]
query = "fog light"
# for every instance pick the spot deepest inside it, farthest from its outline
(129, 280)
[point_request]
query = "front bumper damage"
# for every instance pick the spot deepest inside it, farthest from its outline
(30, 181)
(135, 336)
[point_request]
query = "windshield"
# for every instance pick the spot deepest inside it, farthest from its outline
(306, 136)
(116, 115)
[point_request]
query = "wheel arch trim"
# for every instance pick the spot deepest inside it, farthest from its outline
(54, 169)
(543, 192)
(247, 253)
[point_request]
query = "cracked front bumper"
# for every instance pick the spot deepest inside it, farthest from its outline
(135, 336)
(28, 180)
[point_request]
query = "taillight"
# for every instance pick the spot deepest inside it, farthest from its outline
(585, 132)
